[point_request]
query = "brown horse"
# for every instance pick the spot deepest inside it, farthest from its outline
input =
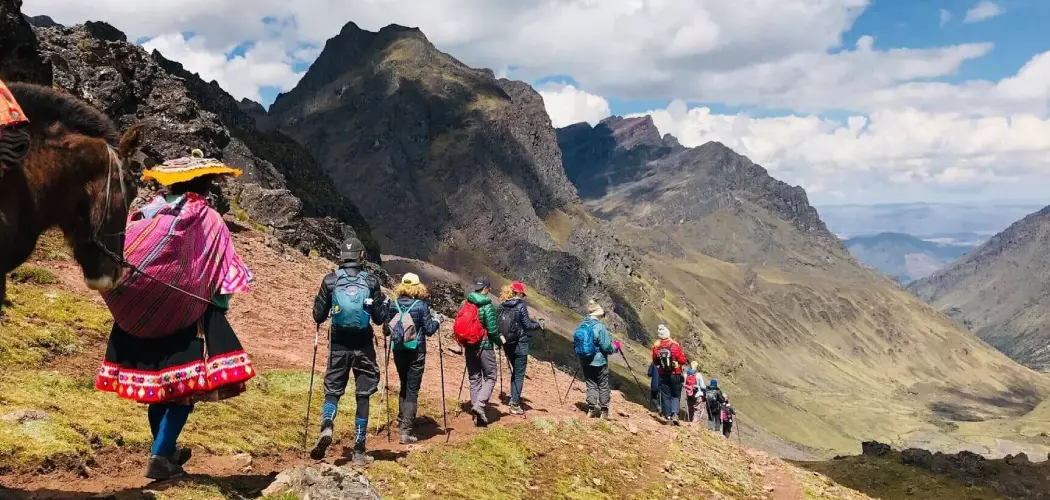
(71, 178)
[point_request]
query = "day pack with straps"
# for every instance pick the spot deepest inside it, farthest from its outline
(665, 359)
(584, 341)
(403, 328)
(348, 300)
(467, 328)
(508, 324)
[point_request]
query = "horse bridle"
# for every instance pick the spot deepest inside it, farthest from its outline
(115, 162)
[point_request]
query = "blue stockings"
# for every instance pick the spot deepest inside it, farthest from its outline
(166, 421)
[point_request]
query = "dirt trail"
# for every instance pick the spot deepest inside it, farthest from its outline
(274, 323)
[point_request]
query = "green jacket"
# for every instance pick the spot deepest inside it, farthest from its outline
(487, 315)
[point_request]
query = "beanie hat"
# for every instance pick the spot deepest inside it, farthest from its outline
(663, 332)
(595, 309)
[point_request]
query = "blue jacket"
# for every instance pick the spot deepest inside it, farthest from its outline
(525, 323)
(604, 340)
(421, 317)
(654, 377)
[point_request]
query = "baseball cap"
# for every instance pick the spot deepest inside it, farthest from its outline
(410, 279)
(481, 284)
(518, 287)
(351, 249)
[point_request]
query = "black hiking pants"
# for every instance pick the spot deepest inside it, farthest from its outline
(727, 427)
(410, 364)
(597, 379)
(518, 359)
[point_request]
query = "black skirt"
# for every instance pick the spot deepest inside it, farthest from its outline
(202, 362)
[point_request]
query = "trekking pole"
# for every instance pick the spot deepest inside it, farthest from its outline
(441, 365)
(570, 384)
(499, 360)
(310, 393)
(628, 363)
(386, 384)
(554, 372)
(459, 397)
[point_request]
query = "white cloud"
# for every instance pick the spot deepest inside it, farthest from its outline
(945, 16)
(984, 9)
(264, 64)
(567, 105)
(779, 53)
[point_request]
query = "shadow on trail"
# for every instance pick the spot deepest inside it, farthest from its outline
(244, 485)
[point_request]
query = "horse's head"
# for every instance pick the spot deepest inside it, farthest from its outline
(97, 236)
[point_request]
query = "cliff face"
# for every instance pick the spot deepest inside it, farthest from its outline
(19, 59)
(447, 162)
(281, 188)
(1001, 290)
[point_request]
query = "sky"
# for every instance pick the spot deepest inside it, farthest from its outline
(857, 101)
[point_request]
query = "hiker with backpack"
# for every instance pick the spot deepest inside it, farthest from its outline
(353, 299)
(727, 418)
(714, 399)
(669, 359)
(477, 331)
(410, 323)
(694, 385)
(592, 344)
(515, 326)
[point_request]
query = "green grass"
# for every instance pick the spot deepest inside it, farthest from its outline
(890, 479)
(32, 274)
(43, 323)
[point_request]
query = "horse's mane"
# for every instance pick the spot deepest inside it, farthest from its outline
(45, 106)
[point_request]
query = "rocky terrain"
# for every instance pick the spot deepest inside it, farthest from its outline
(449, 164)
(768, 298)
(903, 257)
(282, 188)
(999, 290)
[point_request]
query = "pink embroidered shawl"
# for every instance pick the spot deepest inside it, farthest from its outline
(185, 244)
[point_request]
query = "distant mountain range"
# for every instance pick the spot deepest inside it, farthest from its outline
(924, 220)
(907, 258)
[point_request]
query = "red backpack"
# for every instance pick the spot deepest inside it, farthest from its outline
(467, 328)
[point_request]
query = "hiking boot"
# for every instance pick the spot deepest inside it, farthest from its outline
(324, 441)
(592, 412)
(675, 421)
(480, 420)
(604, 414)
(360, 459)
(408, 438)
(181, 456)
(514, 409)
(162, 468)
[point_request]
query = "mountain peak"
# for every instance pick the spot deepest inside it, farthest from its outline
(633, 132)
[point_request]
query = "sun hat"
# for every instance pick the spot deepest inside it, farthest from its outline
(410, 279)
(595, 309)
(188, 168)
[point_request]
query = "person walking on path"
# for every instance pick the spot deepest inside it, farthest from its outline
(655, 406)
(477, 330)
(515, 327)
(592, 344)
(669, 360)
(714, 399)
(353, 299)
(694, 385)
(170, 349)
(727, 418)
(410, 323)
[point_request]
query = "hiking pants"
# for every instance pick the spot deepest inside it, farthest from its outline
(481, 367)
(727, 427)
(410, 364)
(517, 359)
(341, 362)
(166, 421)
(693, 405)
(714, 418)
(671, 393)
(597, 379)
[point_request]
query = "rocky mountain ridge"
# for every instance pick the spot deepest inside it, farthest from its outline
(1000, 290)
(281, 187)
(449, 163)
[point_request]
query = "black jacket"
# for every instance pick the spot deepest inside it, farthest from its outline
(525, 324)
(323, 306)
(421, 317)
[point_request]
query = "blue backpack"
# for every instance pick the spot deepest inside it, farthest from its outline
(348, 300)
(583, 340)
(403, 335)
